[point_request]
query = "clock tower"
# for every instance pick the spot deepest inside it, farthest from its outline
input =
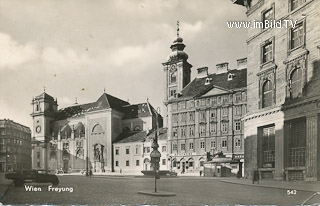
(177, 72)
(44, 109)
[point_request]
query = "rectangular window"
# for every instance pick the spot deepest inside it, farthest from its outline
(203, 102)
(213, 144)
(190, 104)
(191, 116)
(175, 131)
(174, 146)
(238, 110)
(202, 144)
(267, 52)
(117, 163)
(297, 36)
(164, 162)
(172, 92)
(213, 101)
(267, 142)
(164, 148)
(183, 131)
(213, 113)
(213, 127)
(184, 117)
(202, 115)
(224, 127)
(127, 150)
(137, 149)
(146, 149)
(296, 3)
(224, 143)
(202, 128)
(183, 147)
(191, 146)
(225, 111)
(137, 163)
(238, 142)
(127, 163)
(267, 16)
(238, 126)
(225, 99)
(117, 151)
(191, 130)
(238, 97)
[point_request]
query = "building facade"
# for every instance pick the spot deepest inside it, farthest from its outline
(132, 154)
(15, 146)
(282, 126)
(81, 137)
(203, 115)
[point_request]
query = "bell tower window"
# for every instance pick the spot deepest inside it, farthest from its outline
(173, 77)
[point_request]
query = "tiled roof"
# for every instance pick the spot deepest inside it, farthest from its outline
(141, 136)
(197, 87)
(104, 102)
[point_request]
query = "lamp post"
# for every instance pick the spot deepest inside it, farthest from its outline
(155, 154)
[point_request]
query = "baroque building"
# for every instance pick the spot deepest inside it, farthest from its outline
(282, 124)
(203, 116)
(15, 146)
(81, 137)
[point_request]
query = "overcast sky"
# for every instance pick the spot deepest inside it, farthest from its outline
(76, 48)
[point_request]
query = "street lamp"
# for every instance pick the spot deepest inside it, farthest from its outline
(155, 154)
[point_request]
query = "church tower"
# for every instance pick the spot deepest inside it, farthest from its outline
(44, 109)
(177, 72)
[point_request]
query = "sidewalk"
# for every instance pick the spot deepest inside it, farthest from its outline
(299, 186)
(4, 185)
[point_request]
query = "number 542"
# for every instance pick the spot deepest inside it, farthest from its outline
(291, 192)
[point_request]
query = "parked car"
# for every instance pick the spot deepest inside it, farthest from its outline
(19, 178)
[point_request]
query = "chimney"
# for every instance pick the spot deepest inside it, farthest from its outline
(222, 67)
(202, 72)
(242, 63)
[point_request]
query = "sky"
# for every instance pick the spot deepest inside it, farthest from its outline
(76, 49)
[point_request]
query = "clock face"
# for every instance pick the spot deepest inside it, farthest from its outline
(38, 129)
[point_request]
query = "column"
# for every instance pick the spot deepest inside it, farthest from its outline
(279, 150)
(312, 142)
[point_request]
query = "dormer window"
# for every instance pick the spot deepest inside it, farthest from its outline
(230, 76)
(207, 81)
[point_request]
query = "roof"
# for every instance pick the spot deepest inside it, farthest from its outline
(197, 87)
(44, 96)
(7, 123)
(106, 101)
(141, 136)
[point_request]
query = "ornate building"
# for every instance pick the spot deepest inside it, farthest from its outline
(283, 120)
(203, 115)
(81, 137)
(15, 146)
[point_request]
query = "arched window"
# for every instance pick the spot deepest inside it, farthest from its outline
(53, 155)
(267, 98)
(173, 77)
(97, 129)
(295, 83)
(79, 130)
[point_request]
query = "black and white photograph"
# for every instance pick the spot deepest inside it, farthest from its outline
(160, 102)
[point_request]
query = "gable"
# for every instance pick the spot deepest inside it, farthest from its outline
(215, 91)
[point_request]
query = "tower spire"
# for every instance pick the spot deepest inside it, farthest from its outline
(44, 89)
(178, 24)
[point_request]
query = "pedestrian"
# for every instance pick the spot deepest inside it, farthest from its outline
(200, 173)
(90, 173)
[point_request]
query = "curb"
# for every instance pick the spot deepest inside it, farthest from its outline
(265, 186)
(158, 194)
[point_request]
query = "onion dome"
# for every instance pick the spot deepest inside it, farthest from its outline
(177, 50)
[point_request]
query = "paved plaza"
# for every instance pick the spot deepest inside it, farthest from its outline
(124, 190)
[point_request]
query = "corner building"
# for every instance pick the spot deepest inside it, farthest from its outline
(203, 115)
(81, 137)
(15, 146)
(282, 126)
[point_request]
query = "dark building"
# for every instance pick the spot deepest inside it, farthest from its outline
(15, 146)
